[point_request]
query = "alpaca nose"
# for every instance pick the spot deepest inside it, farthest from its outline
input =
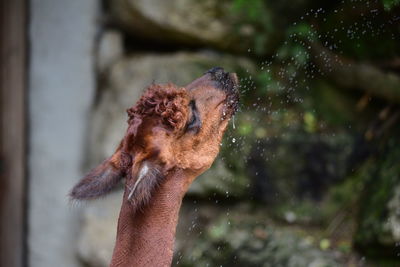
(216, 77)
(218, 74)
(216, 71)
(224, 80)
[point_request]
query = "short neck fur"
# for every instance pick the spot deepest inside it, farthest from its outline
(146, 237)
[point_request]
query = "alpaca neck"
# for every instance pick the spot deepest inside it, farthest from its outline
(146, 238)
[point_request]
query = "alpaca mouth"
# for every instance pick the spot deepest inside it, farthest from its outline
(229, 83)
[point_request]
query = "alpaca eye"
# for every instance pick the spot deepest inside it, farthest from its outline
(194, 123)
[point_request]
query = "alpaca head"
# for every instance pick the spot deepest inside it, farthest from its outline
(169, 129)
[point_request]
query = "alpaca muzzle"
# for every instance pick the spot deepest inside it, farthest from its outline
(229, 83)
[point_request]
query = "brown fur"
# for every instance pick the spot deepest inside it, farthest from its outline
(173, 136)
(99, 181)
(165, 101)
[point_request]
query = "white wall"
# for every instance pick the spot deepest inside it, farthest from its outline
(61, 90)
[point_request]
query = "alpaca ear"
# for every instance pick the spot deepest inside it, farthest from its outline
(99, 181)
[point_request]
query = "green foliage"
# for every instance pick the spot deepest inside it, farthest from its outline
(303, 29)
(309, 122)
(253, 9)
(255, 14)
(389, 4)
(334, 106)
(360, 31)
(297, 53)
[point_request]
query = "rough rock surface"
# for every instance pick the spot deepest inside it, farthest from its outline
(189, 22)
(239, 238)
(110, 49)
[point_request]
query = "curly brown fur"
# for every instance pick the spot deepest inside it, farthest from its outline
(165, 101)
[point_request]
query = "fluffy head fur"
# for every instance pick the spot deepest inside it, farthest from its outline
(166, 102)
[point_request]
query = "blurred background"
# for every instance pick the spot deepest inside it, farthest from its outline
(309, 171)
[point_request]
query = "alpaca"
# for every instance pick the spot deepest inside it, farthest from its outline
(173, 136)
